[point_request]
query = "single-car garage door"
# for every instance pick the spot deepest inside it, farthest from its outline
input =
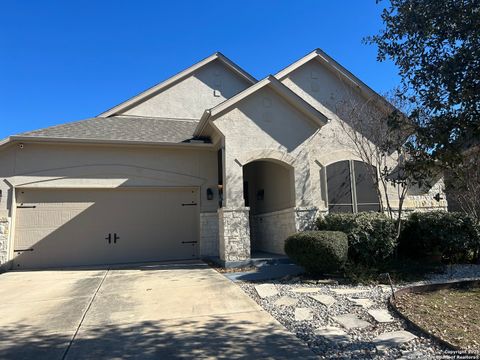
(75, 227)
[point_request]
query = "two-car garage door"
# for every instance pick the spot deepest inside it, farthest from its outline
(75, 227)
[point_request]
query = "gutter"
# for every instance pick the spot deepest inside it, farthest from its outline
(60, 140)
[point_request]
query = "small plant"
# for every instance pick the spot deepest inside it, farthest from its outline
(319, 252)
(371, 236)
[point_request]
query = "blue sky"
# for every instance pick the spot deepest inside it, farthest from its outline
(62, 61)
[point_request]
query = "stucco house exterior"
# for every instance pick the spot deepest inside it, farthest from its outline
(209, 163)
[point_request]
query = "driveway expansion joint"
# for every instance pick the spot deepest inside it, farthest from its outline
(65, 354)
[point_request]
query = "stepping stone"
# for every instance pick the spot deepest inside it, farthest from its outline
(327, 282)
(286, 301)
(266, 290)
(381, 315)
(302, 314)
(306, 290)
(351, 321)
(321, 281)
(348, 291)
(333, 334)
(392, 339)
(412, 355)
(366, 303)
(326, 300)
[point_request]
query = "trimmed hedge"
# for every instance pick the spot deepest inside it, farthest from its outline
(319, 252)
(371, 236)
(452, 235)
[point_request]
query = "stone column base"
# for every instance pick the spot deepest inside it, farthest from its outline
(234, 236)
(4, 227)
(208, 234)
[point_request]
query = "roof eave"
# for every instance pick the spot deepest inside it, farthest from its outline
(60, 140)
(202, 123)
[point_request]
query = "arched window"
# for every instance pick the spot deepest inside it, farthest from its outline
(351, 188)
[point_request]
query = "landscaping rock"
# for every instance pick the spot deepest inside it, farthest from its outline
(333, 334)
(365, 303)
(266, 290)
(306, 290)
(392, 339)
(387, 289)
(326, 300)
(351, 321)
(360, 345)
(381, 315)
(303, 314)
(286, 301)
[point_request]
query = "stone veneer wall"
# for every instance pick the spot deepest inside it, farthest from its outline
(305, 218)
(426, 202)
(209, 234)
(4, 227)
(270, 230)
(234, 235)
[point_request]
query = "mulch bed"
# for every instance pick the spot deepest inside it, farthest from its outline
(451, 314)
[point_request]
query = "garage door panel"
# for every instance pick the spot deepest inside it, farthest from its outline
(70, 227)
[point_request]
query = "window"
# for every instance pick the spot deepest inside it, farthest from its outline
(350, 187)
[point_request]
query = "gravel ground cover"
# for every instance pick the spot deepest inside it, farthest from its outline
(323, 331)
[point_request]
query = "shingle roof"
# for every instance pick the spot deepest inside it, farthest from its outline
(121, 128)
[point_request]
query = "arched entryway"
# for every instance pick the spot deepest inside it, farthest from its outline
(269, 192)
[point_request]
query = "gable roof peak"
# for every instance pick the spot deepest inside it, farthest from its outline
(341, 71)
(314, 114)
(154, 90)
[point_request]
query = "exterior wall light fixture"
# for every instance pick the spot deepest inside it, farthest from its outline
(209, 194)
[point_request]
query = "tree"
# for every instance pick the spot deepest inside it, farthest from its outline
(436, 47)
(378, 131)
(463, 184)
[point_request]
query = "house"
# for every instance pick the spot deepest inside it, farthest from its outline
(209, 163)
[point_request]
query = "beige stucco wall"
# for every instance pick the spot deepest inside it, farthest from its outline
(282, 133)
(275, 180)
(45, 165)
(265, 126)
(209, 86)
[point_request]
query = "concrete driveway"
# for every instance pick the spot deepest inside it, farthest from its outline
(161, 311)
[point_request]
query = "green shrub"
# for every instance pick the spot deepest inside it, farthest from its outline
(371, 236)
(454, 236)
(319, 252)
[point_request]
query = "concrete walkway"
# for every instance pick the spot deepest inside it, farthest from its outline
(161, 311)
